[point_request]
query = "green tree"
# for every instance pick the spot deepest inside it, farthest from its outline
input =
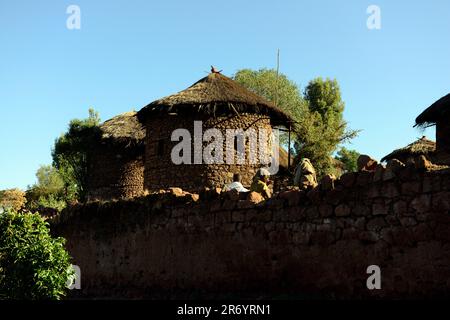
(33, 265)
(318, 113)
(12, 199)
(48, 191)
(323, 129)
(71, 154)
(279, 89)
(349, 158)
(49, 181)
(274, 87)
(324, 97)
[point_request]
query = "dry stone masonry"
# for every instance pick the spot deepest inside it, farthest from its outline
(161, 172)
(116, 173)
(298, 244)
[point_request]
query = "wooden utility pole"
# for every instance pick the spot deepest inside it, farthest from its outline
(276, 103)
(276, 80)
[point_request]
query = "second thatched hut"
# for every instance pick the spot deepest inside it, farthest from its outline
(422, 146)
(116, 165)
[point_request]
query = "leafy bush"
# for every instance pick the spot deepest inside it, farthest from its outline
(51, 201)
(48, 192)
(33, 265)
(12, 199)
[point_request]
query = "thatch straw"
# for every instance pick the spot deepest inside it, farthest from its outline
(437, 111)
(124, 129)
(423, 146)
(213, 95)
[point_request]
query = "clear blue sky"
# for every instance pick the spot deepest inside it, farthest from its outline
(129, 53)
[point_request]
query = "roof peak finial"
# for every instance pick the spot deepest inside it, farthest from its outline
(214, 70)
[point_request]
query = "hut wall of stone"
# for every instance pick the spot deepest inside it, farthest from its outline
(115, 173)
(442, 155)
(443, 135)
(161, 172)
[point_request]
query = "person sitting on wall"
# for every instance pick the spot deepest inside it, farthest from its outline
(305, 175)
(236, 184)
(260, 183)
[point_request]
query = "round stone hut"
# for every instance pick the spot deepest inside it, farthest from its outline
(116, 163)
(218, 103)
(438, 114)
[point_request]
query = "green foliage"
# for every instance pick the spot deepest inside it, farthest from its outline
(49, 180)
(276, 88)
(71, 153)
(324, 97)
(318, 113)
(12, 199)
(51, 201)
(322, 129)
(33, 265)
(349, 158)
(49, 191)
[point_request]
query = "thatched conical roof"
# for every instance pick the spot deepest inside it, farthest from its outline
(437, 111)
(124, 129)
(216, 94)
(423, 146)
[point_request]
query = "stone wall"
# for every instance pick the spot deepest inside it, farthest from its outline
(442, 155)
(161, 172)
(115, 172)
(443, 136)
(295, 245)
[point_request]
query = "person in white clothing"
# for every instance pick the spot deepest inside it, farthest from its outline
(236, 184)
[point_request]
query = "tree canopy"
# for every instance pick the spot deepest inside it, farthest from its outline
(349, 158)
(277, 88)
(320, 127)
(48, 191)
(323, 128)
(12, 199)
(71, 154)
